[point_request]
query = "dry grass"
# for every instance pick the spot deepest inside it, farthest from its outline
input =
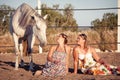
(93, 38)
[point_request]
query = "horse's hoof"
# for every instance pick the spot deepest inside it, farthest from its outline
(31, 69)
(22, 63)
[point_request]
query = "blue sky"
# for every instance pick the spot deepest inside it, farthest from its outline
(83, 18)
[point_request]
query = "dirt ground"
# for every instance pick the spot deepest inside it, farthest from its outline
(7, 72)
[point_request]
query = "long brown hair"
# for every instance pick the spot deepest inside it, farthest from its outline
(65, 38)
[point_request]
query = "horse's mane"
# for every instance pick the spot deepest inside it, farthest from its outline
(26, 13)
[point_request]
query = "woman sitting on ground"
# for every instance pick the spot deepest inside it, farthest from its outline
(88, 60)
(57, 59)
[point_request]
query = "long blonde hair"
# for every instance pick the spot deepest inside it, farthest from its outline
(84, 37)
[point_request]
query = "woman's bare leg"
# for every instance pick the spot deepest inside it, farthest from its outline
(37, 73)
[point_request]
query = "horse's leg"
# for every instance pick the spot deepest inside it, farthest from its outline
(31, 40)
(15, 37)
(21, 52)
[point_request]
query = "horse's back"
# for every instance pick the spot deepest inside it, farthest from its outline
(21, 17)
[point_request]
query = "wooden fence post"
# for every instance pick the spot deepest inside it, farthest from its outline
(39, 12)
(118, 36)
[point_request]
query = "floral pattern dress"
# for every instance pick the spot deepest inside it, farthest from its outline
(53, 69)
(89, 66)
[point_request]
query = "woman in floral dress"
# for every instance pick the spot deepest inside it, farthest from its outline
(57, 59)
(88, 60)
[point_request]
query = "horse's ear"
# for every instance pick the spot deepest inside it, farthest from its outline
(45, 16)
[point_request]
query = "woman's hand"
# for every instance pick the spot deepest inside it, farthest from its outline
(101, 61)
(50, 53)
(56, 61)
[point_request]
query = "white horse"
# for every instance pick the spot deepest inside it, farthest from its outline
(26, 23)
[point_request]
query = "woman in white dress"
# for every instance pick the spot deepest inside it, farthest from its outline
(88, 60)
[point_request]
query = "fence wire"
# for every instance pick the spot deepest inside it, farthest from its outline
(94, 9)
(112, 8)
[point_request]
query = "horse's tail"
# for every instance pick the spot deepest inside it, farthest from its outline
(25, 47)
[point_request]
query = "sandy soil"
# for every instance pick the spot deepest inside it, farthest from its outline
(7, 71)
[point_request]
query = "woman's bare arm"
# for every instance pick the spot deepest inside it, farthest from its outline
(98, 59)
(67, 58)
(50, 53)
(75, 56)
(95, 55)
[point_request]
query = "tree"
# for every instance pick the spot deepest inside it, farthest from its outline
(104, 27)
(57, 19)
(109, 21)
(69, 21)
(68, 14)
(4, 13)
(56, 6)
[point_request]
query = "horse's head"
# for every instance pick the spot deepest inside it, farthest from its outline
(39, 28)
